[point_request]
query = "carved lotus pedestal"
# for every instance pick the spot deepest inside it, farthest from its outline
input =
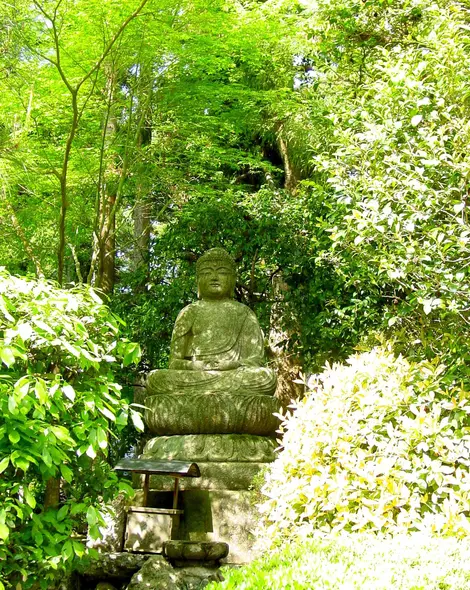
(231, 437)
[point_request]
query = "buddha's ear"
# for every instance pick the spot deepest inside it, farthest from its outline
(232, 287)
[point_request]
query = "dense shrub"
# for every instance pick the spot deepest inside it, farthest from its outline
(59, 405)
(359, 562)
(379, 445)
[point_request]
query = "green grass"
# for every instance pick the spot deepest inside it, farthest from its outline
(358, 561)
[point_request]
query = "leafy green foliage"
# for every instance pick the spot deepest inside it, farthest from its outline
(270, 235)
(391, 77)
(379, 444)
(59, 407)
(358, 561)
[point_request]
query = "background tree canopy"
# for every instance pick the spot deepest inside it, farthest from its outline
(325, 144)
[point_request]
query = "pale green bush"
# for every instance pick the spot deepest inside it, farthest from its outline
(357, 562)
(379, 445)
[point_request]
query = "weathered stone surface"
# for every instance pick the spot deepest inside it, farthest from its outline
(198, 577)
(221, 515)
(113, 532)
(146, 532)
(212, 447)
(105, 586)
(112, 565)
(212, 414)
(214, 476)
(195, 550)
(157, 574)
(217, 384)
(217, 344)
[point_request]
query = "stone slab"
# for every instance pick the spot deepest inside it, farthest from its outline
(221, 516)
(158, 574)
(212, 414)
(146, 533)
(181, 552)
(111, 565)
(212, 447)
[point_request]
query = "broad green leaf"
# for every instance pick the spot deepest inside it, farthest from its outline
(132, 353)
(7, 356)
(137, 421)
(62, 434)
(69, 392)
(102, 438)
(12, 406)
(14, 437)
(40, 390)
(77, 508)
(30, 499)
(127, 489)
(90, 451)
(108, 414)
(67, 473)
(72, 349)
(22, 387)
(25, 330)
(95, 296)
(91, 515)
(122, 418)
(43, 326)
(67, 550)
(4, 531)
(46, 457)
(62, 512)
(78, 548)
(4, 464)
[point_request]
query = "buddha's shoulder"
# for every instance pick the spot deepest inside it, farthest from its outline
(228, 306)
(187, 312)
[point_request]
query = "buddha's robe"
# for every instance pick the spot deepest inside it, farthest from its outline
(226, 332)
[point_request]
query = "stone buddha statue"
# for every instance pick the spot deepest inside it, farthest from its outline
(214, 405)
(217, 344)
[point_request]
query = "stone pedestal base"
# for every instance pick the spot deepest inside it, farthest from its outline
(221, 516)
(220, 413)
(226, 461)
(226, 516)
(212, 447)
(231, 438)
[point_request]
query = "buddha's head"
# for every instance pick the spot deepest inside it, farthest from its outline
(216, 275)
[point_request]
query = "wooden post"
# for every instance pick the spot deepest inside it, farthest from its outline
(146, 488)
(124, 532)
(175, 493)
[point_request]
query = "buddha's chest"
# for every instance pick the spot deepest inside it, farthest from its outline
(215, 324)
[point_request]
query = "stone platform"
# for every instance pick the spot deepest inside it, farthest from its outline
(212, 413)
(226, 461)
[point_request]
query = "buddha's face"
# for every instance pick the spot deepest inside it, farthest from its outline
(215, 281)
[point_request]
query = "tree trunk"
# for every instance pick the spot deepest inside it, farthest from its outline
(141, 213)
(291, 175)
(107, 246)
(52, 496)
(287, 365)
(140, 254)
